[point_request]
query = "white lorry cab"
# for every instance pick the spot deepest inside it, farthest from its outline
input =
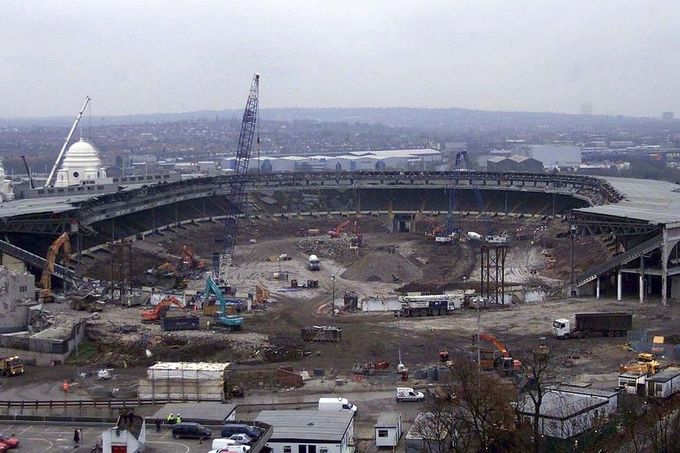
(336, 405)
(409, 394)
(561, 328)
(313, 263)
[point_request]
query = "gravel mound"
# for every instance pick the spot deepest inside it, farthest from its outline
(380, 267)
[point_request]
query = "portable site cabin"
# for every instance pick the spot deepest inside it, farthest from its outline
(633, 383)
(664, 384)
(388, 430)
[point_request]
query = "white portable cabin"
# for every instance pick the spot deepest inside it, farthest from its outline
(664, 384)
(388, 430)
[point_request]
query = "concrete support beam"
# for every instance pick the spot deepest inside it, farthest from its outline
(619, 286)
(642, 279)
(597, 287)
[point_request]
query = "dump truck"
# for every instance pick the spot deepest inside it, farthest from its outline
(321, 334)
(11, 366)
(614, 324)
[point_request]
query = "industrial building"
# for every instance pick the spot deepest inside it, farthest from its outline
(555, 155)
(514, 163)
(400, 159)
(309, 431)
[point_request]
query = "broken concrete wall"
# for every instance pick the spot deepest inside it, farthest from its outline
(17, 294)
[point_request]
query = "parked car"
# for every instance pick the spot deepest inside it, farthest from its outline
(230, 429)
(10, 441)
(191, 430)
(241, 438)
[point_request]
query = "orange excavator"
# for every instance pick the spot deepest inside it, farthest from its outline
(339, 229)
(489, 360)
(189, 260)
(156, 313)
(46, 278)
(435, 231)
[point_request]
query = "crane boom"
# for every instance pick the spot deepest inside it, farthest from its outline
(238, 180)
(28, 172)
(55, 167)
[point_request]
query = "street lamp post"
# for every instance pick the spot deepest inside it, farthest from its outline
(333, 299)
(572, 235)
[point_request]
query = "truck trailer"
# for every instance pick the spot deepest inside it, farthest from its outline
(431, 305)
(615, 324)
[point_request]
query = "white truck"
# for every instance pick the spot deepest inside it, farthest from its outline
(409, 394)
(314, 263)
(336, 405)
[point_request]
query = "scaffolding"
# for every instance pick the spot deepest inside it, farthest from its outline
(493, 273)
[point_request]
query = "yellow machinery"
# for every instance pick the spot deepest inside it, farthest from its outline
(46, 278)
(261, 294)
(11, 366)
(651, 367)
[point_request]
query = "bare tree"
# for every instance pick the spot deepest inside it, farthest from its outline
(482, 411)
(541, 379)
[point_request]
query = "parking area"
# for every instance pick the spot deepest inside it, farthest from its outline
(37, 438)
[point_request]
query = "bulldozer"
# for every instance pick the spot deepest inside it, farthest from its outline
(62, 242)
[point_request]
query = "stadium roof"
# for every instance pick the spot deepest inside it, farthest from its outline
(655, 202)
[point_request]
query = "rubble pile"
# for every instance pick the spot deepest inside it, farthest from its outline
(326, 247)
(127, 344)
(383, 267)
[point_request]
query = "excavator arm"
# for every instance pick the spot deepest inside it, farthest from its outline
(495, 342)
(46, 278)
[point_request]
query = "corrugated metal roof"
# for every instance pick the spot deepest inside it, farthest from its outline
(656, 202)
(387, 420)
(307, 424)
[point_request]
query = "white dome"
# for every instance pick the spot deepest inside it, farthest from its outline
(81, 155)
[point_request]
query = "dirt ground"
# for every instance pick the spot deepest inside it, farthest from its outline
(387, 262)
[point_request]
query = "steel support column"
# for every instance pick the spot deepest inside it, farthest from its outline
(619, 288)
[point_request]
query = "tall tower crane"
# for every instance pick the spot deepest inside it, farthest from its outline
(238, 179)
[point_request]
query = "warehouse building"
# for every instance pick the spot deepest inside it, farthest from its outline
(396, 159)
(514, 163)
(309, 431)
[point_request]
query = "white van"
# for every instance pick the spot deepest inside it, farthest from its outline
(409, 394)
(336, 405)
(220, 444)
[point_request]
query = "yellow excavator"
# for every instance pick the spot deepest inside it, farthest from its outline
(62, 242)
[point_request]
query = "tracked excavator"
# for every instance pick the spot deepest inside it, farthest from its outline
(489, 359)
(62, 242)
(156, 313)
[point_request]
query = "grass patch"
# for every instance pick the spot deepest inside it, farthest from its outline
(87, 350)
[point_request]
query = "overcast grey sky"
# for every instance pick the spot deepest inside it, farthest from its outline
(622, 57)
